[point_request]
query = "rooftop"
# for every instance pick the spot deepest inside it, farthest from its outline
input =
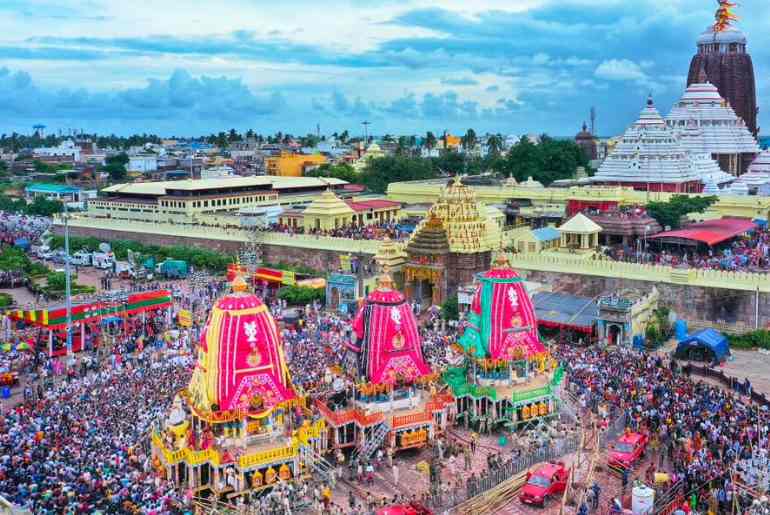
(711, 232)
(44, 187)
(707, 124)
(649, 151)
(159, 188)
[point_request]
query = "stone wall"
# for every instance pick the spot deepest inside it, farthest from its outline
(323, 260)
(692, 303)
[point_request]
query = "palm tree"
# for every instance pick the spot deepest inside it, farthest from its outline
(495, 145)
(430, 140)
(469, 140)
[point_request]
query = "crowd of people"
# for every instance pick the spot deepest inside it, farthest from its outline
(705, 436)
(750, 253)
(380, 231)
(81, 447)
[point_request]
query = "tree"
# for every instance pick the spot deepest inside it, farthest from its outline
(495, 145)
(118, 159)
(341, 171)
(524, 160)
(430, 140)
(300, 296)
(547, 161)
(450, 309)
(42, 206)
(381, 172)
(41, 167)
(469, 140)
(671, 213)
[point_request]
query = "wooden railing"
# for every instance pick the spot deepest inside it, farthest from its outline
(346, 416)
(269, 456)
(415, 418)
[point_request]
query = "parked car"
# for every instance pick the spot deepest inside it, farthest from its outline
(44, 252)
(81, 258)
(627, 450)
(547, 481)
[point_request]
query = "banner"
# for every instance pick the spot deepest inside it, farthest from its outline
(185, 318)
(289, 278)
(345, 262)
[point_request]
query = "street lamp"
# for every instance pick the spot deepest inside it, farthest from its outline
(67, 279)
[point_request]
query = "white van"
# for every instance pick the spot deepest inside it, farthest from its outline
(103, 260)
(81, 258)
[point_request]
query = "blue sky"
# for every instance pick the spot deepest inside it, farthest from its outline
(196, 67)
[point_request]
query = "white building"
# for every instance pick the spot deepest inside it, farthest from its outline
(66, 148)
(650, 156)
(759, 172)
(217, 172)
(707, 124)
(143, 163)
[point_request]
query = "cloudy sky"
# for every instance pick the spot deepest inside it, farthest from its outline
(187, 67)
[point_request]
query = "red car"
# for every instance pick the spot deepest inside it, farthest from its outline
(548, 480)
(627, 450)
(405, 509)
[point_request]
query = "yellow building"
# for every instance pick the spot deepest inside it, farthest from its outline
(328, 212)
(579, 234)
(450, 142)
(288, 164)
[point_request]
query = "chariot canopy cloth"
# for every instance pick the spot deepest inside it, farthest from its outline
(502, 318)
(711, 232)
(241, 361)
(56, 317)
(389, 340)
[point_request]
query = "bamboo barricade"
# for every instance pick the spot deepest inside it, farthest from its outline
(492, 500)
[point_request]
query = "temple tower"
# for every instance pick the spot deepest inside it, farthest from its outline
(722, 56)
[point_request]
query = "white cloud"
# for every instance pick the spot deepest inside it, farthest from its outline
(620, 70)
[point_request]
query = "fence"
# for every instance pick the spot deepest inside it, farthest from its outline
(495, 476)
(729, 381)
(553, 262)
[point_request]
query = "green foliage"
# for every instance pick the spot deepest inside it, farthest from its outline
(41, 167)
(381, 172)
(13, 259)
(58, 280)
(547, 161)
(759, 339)
(671, 213)
(300, 296)
(450, 309)
(342, 171)
(115, 166)
(659, 328)
(6, 300)
(199, 258)
(56, 285)
(117, 159)
(42, 206)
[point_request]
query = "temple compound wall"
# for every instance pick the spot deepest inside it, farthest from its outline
(733, 310)
(318, 259)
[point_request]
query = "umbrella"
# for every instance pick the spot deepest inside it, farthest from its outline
(23, 346)
(6, 347)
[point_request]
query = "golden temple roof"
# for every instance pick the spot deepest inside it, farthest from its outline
(466, 221)
(390, 254)
(328, 204)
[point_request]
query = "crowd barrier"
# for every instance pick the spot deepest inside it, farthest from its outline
(729, 381)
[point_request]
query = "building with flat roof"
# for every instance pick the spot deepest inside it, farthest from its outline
(50, 191)
(287, 164)
(190, 201)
